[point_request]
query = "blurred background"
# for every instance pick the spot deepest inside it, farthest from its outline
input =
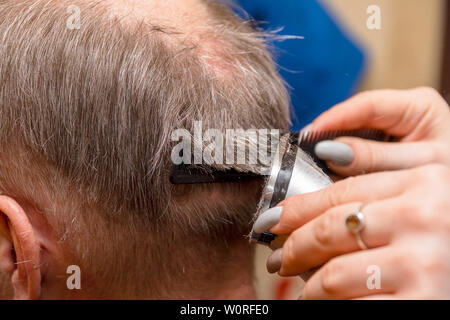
(341, 55)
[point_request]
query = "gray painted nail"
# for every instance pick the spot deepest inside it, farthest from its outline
(274, 261)
(337, 152)
(267, 219)
(306, 129)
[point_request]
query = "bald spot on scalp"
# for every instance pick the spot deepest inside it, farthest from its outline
(189, 25)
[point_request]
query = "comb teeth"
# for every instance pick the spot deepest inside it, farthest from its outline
(308, 140)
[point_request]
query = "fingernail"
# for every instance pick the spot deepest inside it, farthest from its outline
(267, 219)
(306, 129)
(337, 152)
(274, 261)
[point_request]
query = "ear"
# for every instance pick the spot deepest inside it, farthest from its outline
(19, 250)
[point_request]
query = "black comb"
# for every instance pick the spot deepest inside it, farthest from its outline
(308, 140)
(189, 174)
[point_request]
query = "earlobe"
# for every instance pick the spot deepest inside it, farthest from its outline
(19, 250)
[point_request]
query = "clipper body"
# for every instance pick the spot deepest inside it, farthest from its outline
(293, 172)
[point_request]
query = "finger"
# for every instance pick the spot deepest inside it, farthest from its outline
(398, 112)
(380, 297)
(358, 274)
(327, 236)
(299, 209)
(364, 156)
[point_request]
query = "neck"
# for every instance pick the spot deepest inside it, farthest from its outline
(240, 292)
(225, 274)
(229, 279)
(232, 279)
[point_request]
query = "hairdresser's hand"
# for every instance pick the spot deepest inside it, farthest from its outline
(407, 231)
(419, 117)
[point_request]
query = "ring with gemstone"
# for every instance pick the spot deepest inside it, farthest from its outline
(355, 223)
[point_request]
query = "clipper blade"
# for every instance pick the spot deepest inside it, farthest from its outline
(293, 172)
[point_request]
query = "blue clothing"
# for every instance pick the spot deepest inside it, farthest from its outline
(322, 69)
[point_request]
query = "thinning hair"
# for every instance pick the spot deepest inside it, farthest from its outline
(85, 124)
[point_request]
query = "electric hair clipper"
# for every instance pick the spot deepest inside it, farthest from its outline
(293, 172)
(297, 170)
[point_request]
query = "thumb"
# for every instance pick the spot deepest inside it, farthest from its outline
(350, 156)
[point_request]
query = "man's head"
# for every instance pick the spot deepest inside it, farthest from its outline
(86, 116)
